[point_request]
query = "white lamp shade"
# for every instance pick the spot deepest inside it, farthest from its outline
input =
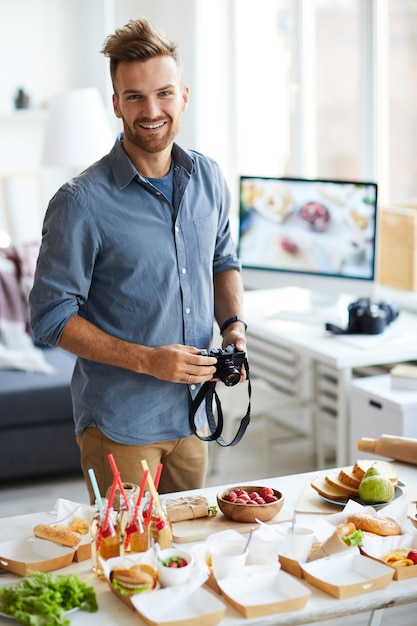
(77, 129)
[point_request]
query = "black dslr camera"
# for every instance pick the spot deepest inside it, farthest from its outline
(229, 363)
(367, 318)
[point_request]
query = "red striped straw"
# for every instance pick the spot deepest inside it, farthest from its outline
(117, 475)
(141, 491)
(103, 528)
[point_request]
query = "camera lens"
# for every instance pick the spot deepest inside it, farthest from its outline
(228, 374)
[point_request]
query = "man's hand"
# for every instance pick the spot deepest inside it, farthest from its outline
(235, 336)
(180, 364)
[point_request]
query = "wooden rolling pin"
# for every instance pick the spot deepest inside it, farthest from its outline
(398, 448)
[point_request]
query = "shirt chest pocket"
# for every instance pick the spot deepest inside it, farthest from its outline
(206, 231)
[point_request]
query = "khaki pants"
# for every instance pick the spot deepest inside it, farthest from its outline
(184, 462)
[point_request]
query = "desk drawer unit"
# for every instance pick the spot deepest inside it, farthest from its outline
(286, 371)
(376, 409)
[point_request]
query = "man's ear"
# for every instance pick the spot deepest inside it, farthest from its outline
(185, 94)
(116, 106)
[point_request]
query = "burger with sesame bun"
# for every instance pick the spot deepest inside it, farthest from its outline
(132, 580)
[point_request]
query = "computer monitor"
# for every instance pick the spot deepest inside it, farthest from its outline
(317, 234)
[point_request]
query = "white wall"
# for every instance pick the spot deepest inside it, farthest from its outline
(49, 46)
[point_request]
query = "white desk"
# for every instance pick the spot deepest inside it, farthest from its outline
(341, 353)
(319, 607)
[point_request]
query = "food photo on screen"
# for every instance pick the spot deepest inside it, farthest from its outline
(315, 226)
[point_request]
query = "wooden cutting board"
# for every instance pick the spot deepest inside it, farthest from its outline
(201, 528)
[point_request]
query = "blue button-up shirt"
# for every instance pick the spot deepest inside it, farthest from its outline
(118, 253)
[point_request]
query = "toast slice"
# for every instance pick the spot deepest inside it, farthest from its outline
(333, 479)
(385, 467)
(347, 477)
(325, 489)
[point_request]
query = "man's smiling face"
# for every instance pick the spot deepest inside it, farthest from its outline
(150, 100)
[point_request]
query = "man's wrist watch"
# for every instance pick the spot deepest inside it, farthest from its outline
(232, 320)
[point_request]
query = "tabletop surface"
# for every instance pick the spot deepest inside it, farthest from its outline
(263, 310)
(320, 605)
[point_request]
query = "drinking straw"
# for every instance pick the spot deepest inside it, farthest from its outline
(102, 531)
(133, 526)
(117, 473)
(156, 483)
(153, 491)
(141, 491)
(96, 489)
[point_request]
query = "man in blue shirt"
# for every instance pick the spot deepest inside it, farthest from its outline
(136, 259)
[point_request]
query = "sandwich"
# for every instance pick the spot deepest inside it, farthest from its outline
(136, 579)
(345, 536)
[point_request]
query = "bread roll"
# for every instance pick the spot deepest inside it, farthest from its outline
(58, 534)
(344, 530)
(383, 526)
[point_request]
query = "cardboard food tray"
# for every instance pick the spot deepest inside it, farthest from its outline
(291, 566)
(347, 575)
(264, 593)
(167, 607)
(400, 573)
(83, 551)
(21, 556)
(409, 541)
(201, 528)
(202, 608)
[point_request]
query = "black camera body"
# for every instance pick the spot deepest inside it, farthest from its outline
(229, 363)
(370, 318)
(367, 318)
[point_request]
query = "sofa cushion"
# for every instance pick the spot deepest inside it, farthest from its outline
(29, 398)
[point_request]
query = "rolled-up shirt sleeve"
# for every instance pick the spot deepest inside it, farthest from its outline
(64, 268)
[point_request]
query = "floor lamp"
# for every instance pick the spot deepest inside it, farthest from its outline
(78, 131)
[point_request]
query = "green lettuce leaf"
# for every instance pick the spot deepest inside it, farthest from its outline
(42, 599)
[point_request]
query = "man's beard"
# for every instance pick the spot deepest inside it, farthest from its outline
(153, 143)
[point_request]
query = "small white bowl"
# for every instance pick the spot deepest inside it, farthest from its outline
(170, 576)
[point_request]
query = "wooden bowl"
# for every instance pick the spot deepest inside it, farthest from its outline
(249, 512)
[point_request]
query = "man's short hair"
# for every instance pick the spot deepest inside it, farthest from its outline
(138, 40)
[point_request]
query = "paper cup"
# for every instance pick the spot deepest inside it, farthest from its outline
(297, 545)
(226, 558)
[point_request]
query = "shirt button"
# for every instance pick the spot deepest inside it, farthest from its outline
(193, 387)
(187, 310)
(177, 230)
(184, 271)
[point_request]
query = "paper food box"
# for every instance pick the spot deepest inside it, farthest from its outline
(348, 574)
(69, 513)
(291, 566)
(166, 607)
(83, 551)
(263, 592)
(188, 604)
(379, 548)
(21, 556)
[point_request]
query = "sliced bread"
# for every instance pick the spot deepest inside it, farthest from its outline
(347, 477)
(333, 479)
(385, 467)
(325, 489)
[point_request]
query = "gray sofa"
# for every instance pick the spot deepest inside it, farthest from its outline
(36, 425)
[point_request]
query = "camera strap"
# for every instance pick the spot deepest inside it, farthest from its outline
(208, 394)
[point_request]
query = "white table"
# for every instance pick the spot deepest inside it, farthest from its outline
(319, 607)
(398, 343)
